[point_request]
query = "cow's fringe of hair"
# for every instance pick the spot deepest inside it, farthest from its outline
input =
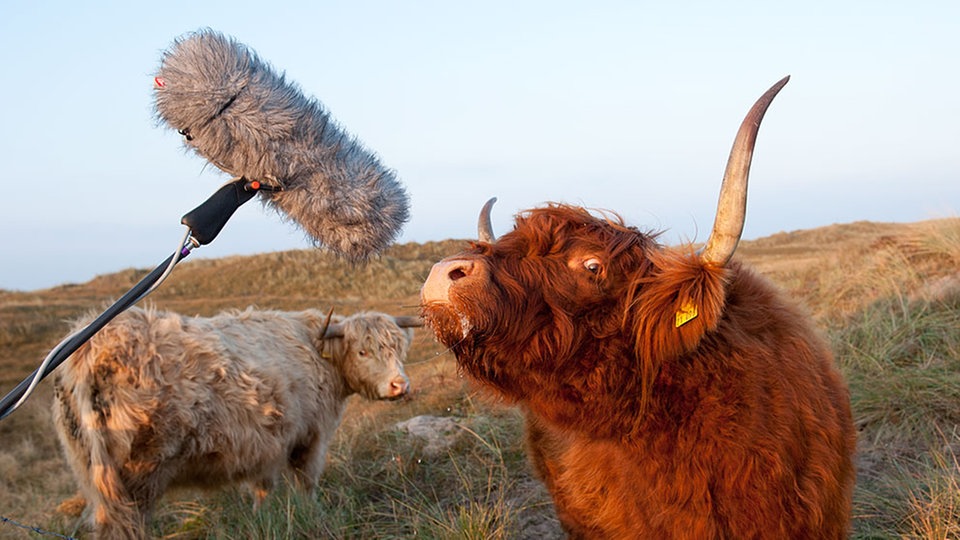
(678, 281)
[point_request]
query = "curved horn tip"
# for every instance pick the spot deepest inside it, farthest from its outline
(775, 89)
(484, 227)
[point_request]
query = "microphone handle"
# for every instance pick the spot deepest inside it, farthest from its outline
(207, 220)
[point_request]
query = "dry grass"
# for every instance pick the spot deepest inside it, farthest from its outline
(888, 297)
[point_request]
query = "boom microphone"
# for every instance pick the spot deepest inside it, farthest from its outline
(237, 112)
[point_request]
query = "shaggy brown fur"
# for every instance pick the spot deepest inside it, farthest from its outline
(156, 399)
(734, 424)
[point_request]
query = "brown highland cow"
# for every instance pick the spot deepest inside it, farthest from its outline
(668, 393)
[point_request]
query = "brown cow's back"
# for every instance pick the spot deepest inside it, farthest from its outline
(757, 447)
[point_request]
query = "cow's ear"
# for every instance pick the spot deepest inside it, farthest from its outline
(674, 304)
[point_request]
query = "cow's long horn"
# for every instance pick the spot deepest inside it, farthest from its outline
(484, 228)
(732, 208)
(336, 329)
(407, 321)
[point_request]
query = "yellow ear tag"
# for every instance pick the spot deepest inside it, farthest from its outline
(687, 313)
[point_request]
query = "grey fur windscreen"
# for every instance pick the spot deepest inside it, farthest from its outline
(237, 112)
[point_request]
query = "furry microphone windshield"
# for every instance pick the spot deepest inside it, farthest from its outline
(237, 112)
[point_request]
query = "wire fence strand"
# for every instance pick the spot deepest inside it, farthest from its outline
(38, 530)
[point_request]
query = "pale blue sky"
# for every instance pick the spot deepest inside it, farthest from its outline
(629, 106)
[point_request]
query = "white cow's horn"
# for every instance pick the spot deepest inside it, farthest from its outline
(484, 228)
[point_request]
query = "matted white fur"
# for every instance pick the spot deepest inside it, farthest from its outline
(157, 399)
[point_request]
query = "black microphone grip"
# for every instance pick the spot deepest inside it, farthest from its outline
(207, 220)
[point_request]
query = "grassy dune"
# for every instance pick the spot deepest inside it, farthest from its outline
(887, 296)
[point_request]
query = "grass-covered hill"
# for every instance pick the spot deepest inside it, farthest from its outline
(887, 295)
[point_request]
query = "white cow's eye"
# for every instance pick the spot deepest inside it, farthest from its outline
(592, 265)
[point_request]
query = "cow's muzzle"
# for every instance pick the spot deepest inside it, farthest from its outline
(447, 274)
(398, 388)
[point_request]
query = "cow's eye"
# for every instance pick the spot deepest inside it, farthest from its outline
(592, 265)
(362, 352)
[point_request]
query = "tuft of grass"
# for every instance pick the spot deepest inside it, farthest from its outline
(935, 497)
(915, 497)
(476, 500)
(901, 359)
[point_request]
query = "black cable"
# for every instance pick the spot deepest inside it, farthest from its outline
(204, 223)
(78, 339)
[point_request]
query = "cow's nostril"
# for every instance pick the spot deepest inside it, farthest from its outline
(399, 387)
(448, 274)
(459, 270)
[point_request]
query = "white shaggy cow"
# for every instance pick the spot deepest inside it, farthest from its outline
(157, 400)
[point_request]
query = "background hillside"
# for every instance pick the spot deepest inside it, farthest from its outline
(887, 296)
